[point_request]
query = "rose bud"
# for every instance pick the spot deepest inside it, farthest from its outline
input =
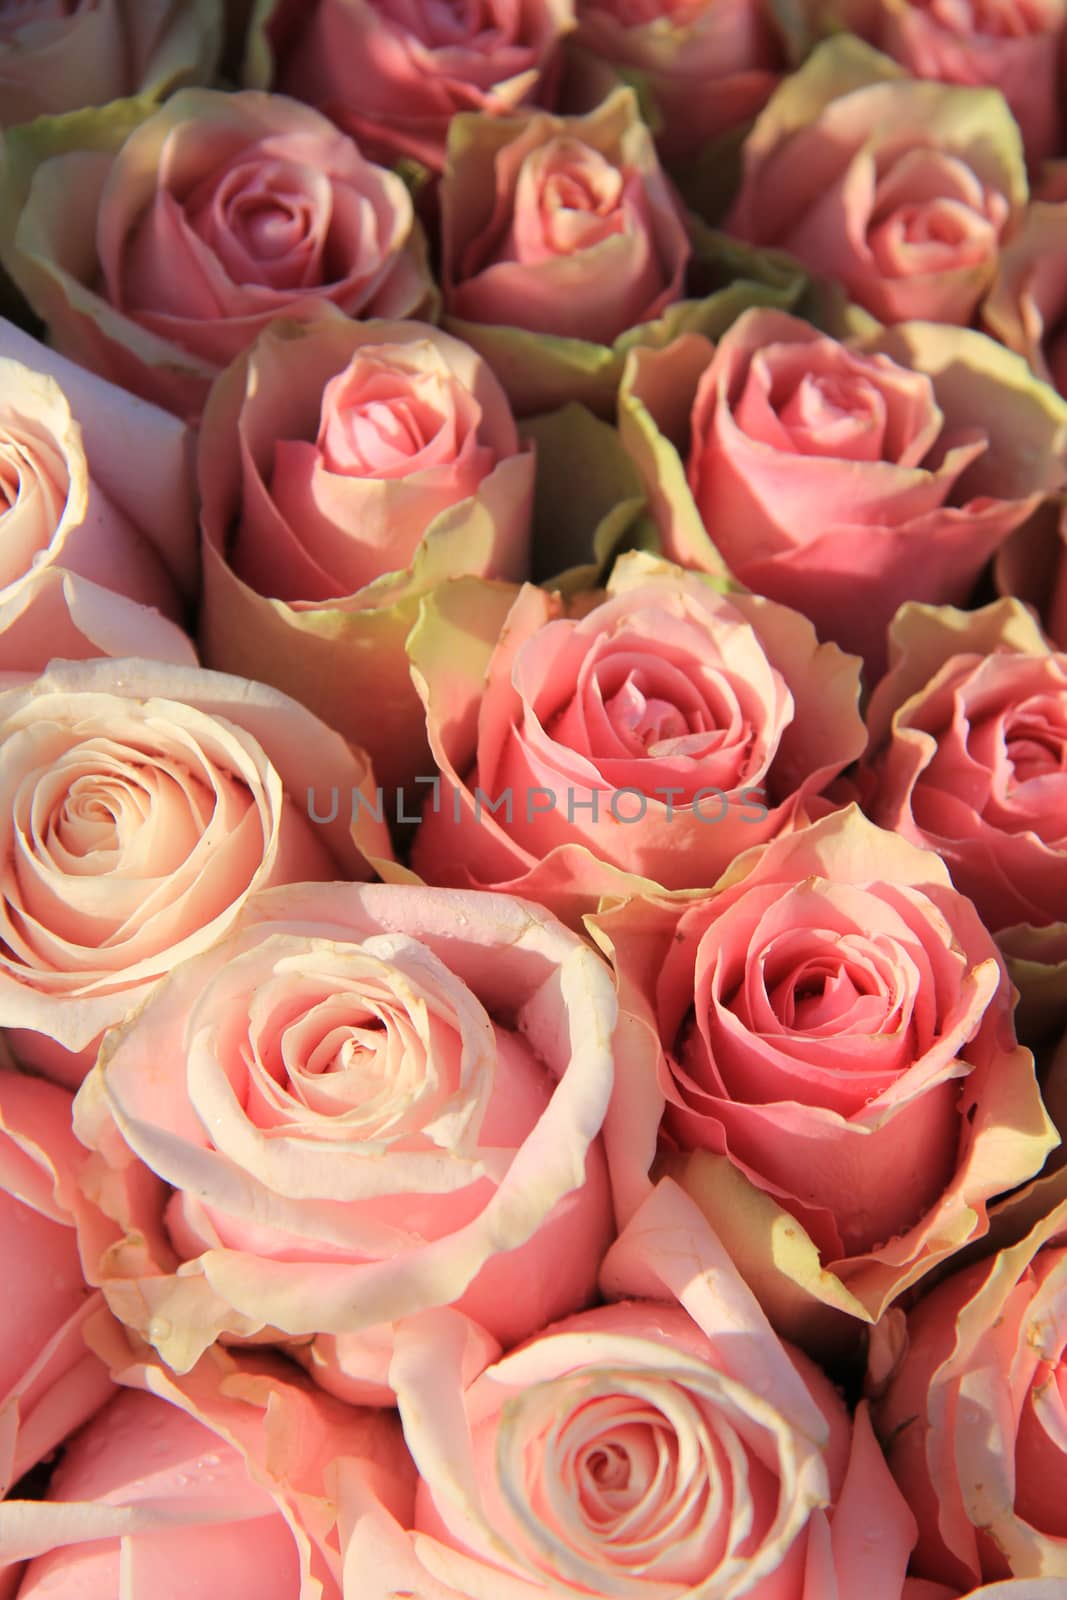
(198, 225)
(394, 74)
(143, 803)
(901, 190)
(841, 478)
(822, 1052)
(345, 469)
(658, 733)
(369, 1101)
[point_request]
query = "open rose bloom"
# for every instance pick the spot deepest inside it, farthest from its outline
(649, 738)
(365, 1102)
(823, 1055)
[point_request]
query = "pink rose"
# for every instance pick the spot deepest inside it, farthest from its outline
(395, 72)
(658, 733)
(831, 1026)
(202, 222)
(561, 225)
(143, 803)
(221, 1483)
(345, 469)
(973, 1415)
(58, 55)
(94, 484)
(969, 757)
(403, 1088)
(842, 479)
(666, 1446)
(1011, 45)
(50, 1380)
(707, 65)
(1026, 307)
(899, 189)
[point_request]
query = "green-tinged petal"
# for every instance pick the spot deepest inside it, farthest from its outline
(1037, 964)
(838, 66)
(259, 64)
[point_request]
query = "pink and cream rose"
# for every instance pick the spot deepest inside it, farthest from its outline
(561, 225)
(198, 224)
(901, 190)
(366, 1101)
(51, 1381)
(842, 478)
(59, 55)
(657, 733)
(972, 1391)
(1026, 307)
(664, 1446)
(143, 803)
(395, 72)
(220, 1483)
(345, 469)
(828, 1034)
(707, 65)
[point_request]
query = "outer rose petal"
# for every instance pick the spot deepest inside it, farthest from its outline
(56, 615)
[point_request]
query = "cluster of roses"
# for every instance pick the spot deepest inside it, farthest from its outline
(535, 1050)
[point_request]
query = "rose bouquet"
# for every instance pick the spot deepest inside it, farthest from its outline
(533, 791)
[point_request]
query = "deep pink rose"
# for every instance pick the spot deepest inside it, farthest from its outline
(835, 1022)
(708, 65)
(58, 55)
(1015, 46)
(368, 1101)
(657, 733)
(975, 1414)
(222, 1482)
(143, 803)
(666, 1447)
(50, 1380)
(561, 225)
(899, 189)
(395, 72)
(201, 223)
(842, 478)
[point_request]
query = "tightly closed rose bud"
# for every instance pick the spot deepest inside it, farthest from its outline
(901, 190)
(199, 224)
(345, 469)
(973, 1416)
(58, 55)
(369, 1101)
(658, 733)
(842, 478)
(1011, 45)
(707, 65)
(666, 1447)
(394, 73)
(50, 1380)
(219, 1484)
(143, 804)
(826, 1043)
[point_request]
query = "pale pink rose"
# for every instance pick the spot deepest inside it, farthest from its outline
(664, 1446)
(93, 482)
(216, 1484)
(835, 1022)
(901, 190)
(707, 65)
(395, 72)
(143, 803)
(842, 478)
(199, 225)
(1011, 45)
(561, 225)
(1026, 307)
(969, 756)
(974, 1414)
(345, 469)
(403, 1087)
(657, 733)
(58, 55)
(50, 1380)
(55, 616)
